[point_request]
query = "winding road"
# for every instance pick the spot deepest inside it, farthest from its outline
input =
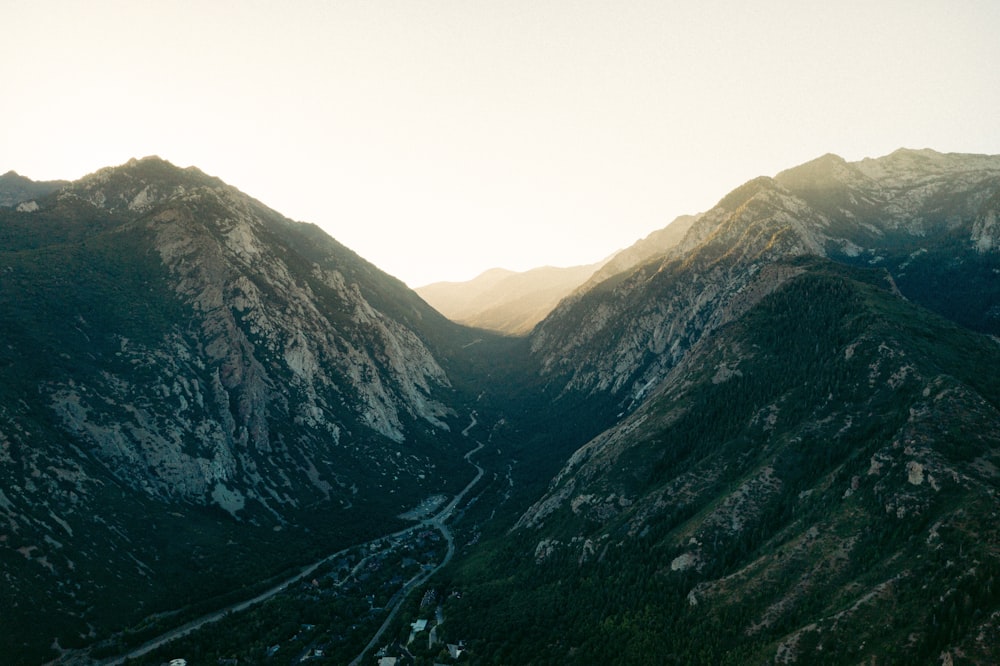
(437, 521)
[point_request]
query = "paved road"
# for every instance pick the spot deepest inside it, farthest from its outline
(437, 522)
(215, 616)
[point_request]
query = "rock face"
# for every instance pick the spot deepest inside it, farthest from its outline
(275, 335)
(177, 353)
(903, 213)
(801, 445)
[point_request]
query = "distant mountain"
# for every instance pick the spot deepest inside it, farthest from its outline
(804, 467)
(16, 189)
(513, 303)
(506, 301)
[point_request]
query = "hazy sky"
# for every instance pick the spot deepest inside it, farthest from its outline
(441, 138)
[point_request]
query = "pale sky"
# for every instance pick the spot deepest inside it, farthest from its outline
(440, 138)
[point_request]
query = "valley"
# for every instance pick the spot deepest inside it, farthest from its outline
(369, 557)
(767, 433)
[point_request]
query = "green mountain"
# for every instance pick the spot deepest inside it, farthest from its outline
(197, 394)
(814, 482)
(805, 466)
(765, 434)
(15, 189)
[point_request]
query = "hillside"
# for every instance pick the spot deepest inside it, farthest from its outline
(815, 483)
(197, 394)
(764, 434)
(805, 465)
(15, 189)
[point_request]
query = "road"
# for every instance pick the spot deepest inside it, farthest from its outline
(437, 522)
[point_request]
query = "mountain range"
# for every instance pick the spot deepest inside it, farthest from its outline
(15, 189)
(514, 302)
(505, 301)
(765, 433)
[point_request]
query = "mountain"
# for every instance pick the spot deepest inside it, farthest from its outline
(198, 392)
(506, 301)
(923, 217)
(513, 303)
(646, 249)
(16, 189)
(804, 465)
(766, 435)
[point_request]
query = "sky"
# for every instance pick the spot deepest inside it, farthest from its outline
(440, 138)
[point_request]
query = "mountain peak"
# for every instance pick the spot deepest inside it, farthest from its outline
(915, 152)
(148, 158)
(140, 183)
(745, 192)
(15, 188)
(821, 175)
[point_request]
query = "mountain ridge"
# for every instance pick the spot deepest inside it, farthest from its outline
(772, 428)
(16, 189)
(506, 301)
(175, 348)
(796, 435)
(514, 302)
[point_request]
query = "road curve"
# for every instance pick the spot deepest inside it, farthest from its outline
(437, 522)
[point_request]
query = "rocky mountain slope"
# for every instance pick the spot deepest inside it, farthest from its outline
(922, 216)
(784, 414)
(806, 463)
(645, 249)
(179, 361)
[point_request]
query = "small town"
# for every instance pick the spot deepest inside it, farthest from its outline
(344, 601)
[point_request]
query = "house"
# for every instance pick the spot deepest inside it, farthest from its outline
(455, 651)
(387, 661)
(419, 625)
